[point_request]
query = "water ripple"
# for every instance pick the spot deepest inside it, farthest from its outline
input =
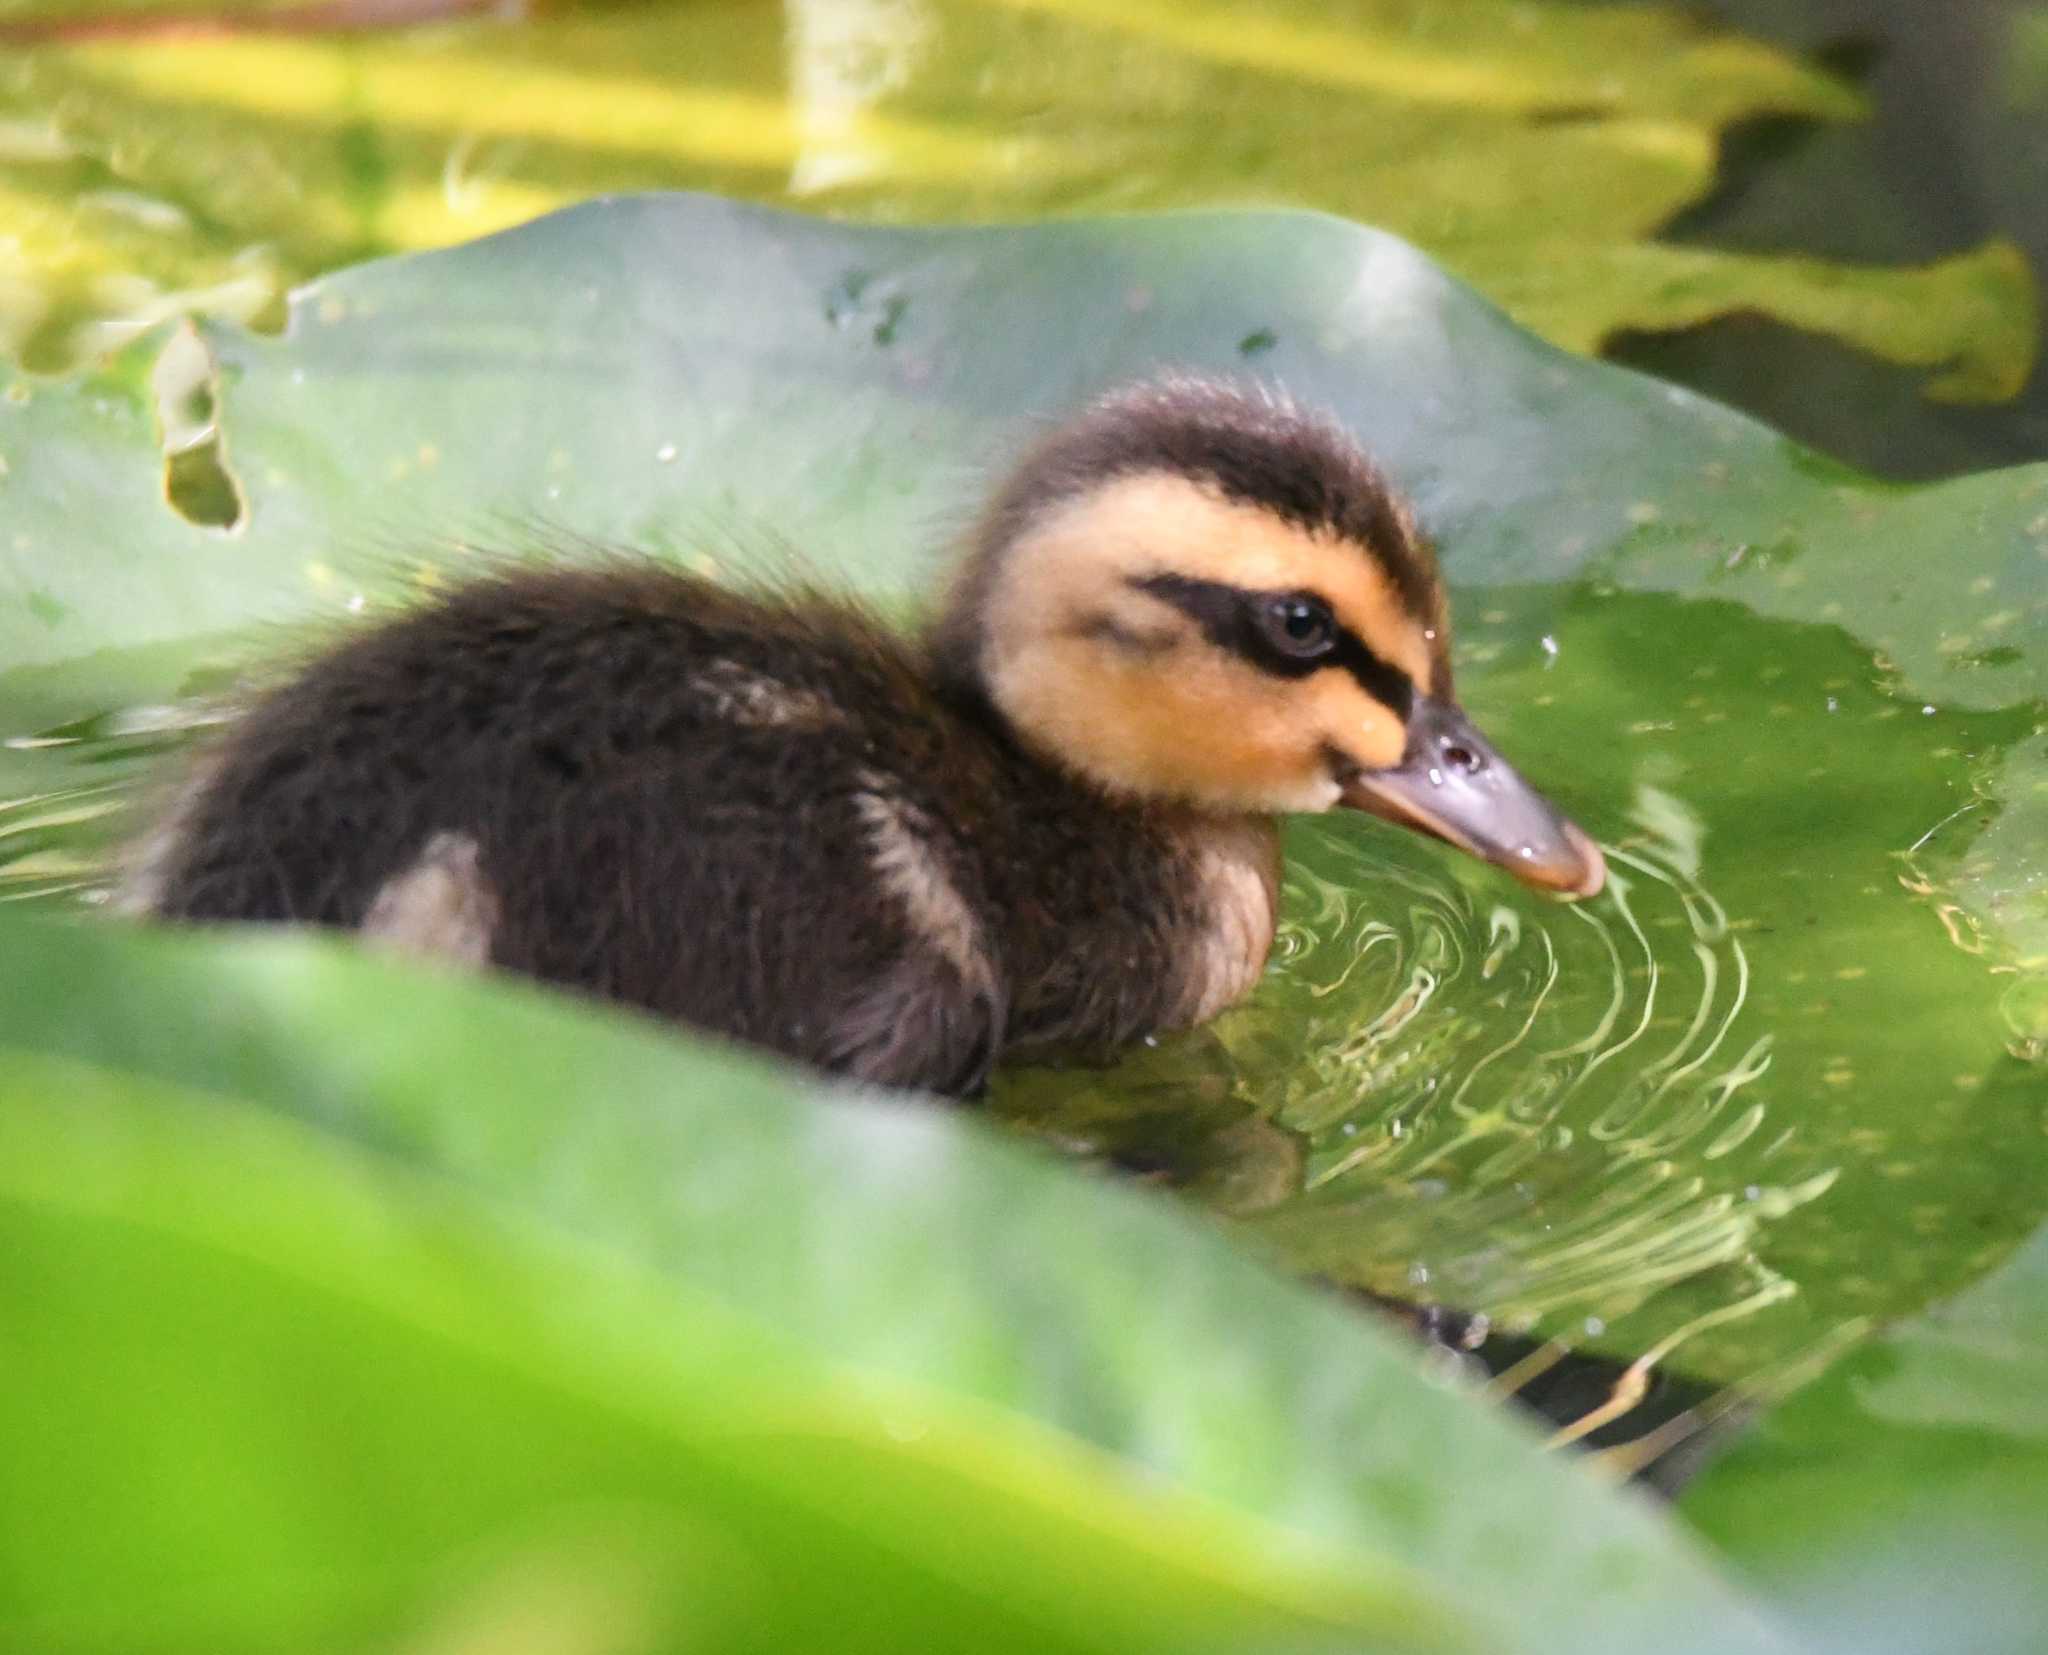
(1517, 1106)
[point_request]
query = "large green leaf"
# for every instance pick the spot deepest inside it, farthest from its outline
(1897, 1503)
(358, 1401)
(264, 1394)
(1534, 145)
(1801, 706)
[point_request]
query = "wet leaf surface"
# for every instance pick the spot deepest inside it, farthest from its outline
(443, 1304)
(1896, 1504)
(1784, 1079)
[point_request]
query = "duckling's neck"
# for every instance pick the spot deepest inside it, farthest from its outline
(1118, 916)
(1233, 864)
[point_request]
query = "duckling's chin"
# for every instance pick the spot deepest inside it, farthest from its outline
(1311, 796)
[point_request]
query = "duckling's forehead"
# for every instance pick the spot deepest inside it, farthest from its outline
(1163, 523)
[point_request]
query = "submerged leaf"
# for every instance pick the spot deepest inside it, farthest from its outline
(1534, 147)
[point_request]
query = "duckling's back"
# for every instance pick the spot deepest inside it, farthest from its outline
(633, 782)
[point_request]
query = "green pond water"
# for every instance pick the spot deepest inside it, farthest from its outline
(1670, 1120)
(1676, 1117)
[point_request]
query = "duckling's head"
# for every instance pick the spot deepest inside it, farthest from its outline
(1196, 592)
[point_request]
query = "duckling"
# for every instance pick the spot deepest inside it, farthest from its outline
(1048, 817)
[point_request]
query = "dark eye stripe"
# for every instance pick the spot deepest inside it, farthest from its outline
(1227, 616)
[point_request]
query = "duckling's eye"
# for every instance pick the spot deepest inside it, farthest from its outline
(1300, 627)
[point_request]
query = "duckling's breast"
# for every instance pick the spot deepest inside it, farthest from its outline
(1232, 867)
(1119, 920)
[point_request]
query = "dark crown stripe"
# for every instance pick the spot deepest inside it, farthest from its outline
(1253, 450)
(1225, 615)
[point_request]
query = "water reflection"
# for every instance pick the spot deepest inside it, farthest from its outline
(1496, 1102)
(1687, 1118)
(1474, 1060)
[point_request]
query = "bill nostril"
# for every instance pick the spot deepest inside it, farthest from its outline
(1461, 758)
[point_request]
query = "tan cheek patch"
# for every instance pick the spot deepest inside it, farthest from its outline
(1356, 724)
(1209, 726)
(1229, 731)
(1186, 724)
